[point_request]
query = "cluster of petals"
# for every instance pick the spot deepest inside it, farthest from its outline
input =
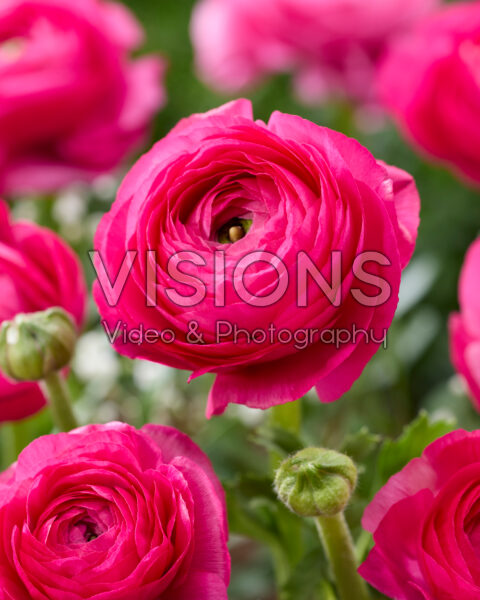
(73, 103)
(107, 512)
(304, 189)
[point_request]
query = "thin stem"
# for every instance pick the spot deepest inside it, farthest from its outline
(10, 444)
(338, 543)
(288, 417)
(59, 401)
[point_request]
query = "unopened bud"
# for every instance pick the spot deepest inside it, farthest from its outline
(316, 482)
(35, 345)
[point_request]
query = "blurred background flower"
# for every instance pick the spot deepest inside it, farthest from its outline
(430, 82)
(331, 46)
(73, 103)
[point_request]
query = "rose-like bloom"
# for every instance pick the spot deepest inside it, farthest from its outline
(283, 196)
(332, 46)
(426, 525)
(465, 326)
(430, 81)
(37, 271)
(107, 512)
(72, 102)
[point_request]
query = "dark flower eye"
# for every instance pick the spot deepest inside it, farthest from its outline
(234, 230)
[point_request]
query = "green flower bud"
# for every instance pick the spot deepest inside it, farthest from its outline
(316, 482)
(35, 345)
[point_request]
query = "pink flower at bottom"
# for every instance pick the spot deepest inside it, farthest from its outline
(426, 525)
(107, 512)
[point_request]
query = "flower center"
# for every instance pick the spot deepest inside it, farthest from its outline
(234, 230)
(86, 531)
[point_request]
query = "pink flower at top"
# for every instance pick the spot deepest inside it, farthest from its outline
(430, 81)
(107, 512)
(465, 326)
(230, 223)
(332, 46)
(37, 271)
(73, 104)
(426, 525)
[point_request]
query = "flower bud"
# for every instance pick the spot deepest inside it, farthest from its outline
(35, 345)
(316, 482)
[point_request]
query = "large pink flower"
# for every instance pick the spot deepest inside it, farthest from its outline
(426, 525)
(430, 80)
(72, 102)
(107, 512)
(37, 271)
(290, 193)
(331, 45)
(465, 326)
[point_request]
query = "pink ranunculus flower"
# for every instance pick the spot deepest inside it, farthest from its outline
(286, 197)
(430, 81)
(107, 512)
(465, 326)
(332, 46)
(73, 103)
(37, 271)
(425, 523)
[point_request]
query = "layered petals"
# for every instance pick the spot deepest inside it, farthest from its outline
(303, 202)
(425, 525)
(106, 512)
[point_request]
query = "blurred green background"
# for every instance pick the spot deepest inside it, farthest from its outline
(414, 373)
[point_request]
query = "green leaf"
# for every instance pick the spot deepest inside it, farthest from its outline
(395, 454)
(309, 578)
(277, 439)
(359, 446)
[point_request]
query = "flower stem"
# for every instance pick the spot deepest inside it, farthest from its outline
(287, 417)
(59, 401)
(338, 543)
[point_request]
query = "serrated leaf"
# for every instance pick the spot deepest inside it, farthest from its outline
(395, 454)
(359, 446)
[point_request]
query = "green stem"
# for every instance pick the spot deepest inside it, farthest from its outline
(10, 445)
(288, 417)
(59, 401)
(338, 543)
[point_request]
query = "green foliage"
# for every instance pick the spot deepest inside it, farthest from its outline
(395, 454)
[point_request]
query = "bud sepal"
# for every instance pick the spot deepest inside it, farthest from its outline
(316, 482)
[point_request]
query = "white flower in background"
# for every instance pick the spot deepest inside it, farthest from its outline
(71, 206)
(149, 376)
(95, 360)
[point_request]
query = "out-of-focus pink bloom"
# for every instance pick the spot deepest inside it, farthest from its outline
(332, 46)
(108, 512)
(37, 271)
(465, 326)
(301, 192)
(430, 81)
(73, 103)
(426, 525)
